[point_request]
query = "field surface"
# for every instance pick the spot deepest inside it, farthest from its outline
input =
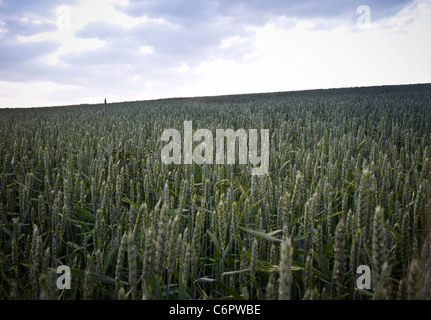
(349, 185)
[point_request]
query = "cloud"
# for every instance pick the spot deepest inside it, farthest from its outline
(133, 50)
(25, 95)
(256, 11)
(15, 53)
(391, 51)
(27, 17)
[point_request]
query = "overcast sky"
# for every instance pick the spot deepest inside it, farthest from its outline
(81, 51)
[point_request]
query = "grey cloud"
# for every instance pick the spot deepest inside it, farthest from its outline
(13, 54)
(22, 8)
(202, 25)
(193, 34)
(256, 11)
(16, 27)
(12, 11)
(172, 45)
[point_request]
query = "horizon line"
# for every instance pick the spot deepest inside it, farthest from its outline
(216, 96)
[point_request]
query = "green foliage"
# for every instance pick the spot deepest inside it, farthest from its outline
(348, 184)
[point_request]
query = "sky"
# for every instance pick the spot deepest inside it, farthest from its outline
(55, 53)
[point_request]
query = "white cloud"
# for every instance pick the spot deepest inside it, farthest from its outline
(183, 68)
(2, 29)
(68, 43)
(228, 42)
(285, 54)
(146, 49)
(30, 94)
(81, 15)
(394, 51)
(105, 10)
(100, 10)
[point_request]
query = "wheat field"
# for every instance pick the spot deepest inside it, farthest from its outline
(349, 185)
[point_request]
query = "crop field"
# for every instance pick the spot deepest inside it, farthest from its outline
(348, 189)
